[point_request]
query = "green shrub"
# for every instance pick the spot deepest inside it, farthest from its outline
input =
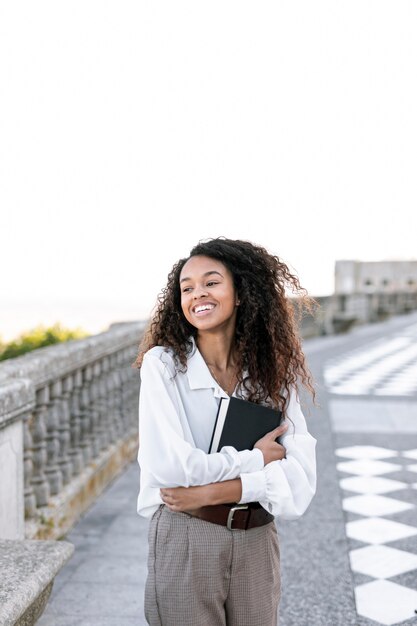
(38, 337)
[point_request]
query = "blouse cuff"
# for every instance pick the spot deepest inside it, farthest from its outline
(253, 487)
(251, 460)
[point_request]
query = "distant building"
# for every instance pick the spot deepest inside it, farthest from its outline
(367, 277)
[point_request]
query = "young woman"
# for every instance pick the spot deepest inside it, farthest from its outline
(223, 327)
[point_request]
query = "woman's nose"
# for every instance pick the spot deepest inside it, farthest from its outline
(200, 292)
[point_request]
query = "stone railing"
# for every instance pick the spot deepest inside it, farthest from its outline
(68, 425)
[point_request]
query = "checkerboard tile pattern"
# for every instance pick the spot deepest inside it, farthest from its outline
(382, 600)
(386, 367)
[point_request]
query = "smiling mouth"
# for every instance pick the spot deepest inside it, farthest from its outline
(203, 309)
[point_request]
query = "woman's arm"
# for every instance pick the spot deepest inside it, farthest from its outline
(189, 498)
(227, 491)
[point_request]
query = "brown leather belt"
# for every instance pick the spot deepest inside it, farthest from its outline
(234, 516)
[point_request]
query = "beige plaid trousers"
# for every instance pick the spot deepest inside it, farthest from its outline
(202, 574)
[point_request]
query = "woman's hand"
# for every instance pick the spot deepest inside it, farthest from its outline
(272, 450)
(187, 498)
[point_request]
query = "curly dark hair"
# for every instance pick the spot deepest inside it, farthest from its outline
(267, 344)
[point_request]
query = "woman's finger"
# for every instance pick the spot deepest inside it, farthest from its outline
(278, 431)
(165, 495)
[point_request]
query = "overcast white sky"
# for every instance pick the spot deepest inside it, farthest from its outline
(129, 130)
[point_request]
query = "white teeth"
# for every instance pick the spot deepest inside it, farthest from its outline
(203, 307)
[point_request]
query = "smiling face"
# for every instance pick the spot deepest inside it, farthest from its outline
(208, 295)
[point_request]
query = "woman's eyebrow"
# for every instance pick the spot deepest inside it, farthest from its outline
(206, 274)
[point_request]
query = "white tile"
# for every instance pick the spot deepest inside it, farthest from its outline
(410, 454)
(367, 467)
(334, 369)
(343, 386)
(371, 484)
(397, 388)
(402, 383)
(385, 602)
(382, 561)
(412, 468)
(375, 530)
(360, 382)
(366, 452)
(393, 390)
(374, 505)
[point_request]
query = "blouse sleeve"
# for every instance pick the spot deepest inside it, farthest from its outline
(168, 458)
(286, 487)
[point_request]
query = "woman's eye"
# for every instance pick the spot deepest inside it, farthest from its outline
(212, 282)
(186, 289)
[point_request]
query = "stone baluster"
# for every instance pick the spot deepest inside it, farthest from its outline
(39, 482)
(122, 375)
(133, 384)
(110, 383)
(112, 424)
(110, 402)
(75, 452)
(123, 385)
(99, 408)
(62, 406)
(86, 423)
(29, 494)
(94, 414)
(105, 394)
(117, 398)
(52, 471)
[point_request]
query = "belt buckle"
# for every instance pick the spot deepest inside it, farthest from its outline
(238, 507)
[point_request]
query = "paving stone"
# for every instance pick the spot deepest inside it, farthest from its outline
(118, 569)
(98, 600)
(76, 620)
(128, 525)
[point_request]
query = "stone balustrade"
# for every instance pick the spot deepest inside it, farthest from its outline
(68, 425)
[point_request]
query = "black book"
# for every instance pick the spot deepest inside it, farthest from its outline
(240, 424)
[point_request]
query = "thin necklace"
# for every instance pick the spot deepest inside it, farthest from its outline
(229, 393)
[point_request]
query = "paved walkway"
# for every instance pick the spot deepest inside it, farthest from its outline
(335, 559)
(102, 585)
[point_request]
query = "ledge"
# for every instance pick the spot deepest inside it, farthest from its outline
(44, 365)
(28, 569)
(16, 398)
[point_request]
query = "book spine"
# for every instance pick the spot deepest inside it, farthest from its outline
(215, 428)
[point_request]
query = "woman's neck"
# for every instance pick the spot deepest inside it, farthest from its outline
(217, 349)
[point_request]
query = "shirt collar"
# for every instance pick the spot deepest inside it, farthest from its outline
(199, 376)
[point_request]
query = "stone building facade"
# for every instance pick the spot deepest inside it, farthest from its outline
(368, 291)
(375, 277)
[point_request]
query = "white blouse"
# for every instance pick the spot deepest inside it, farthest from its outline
(177, 412)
